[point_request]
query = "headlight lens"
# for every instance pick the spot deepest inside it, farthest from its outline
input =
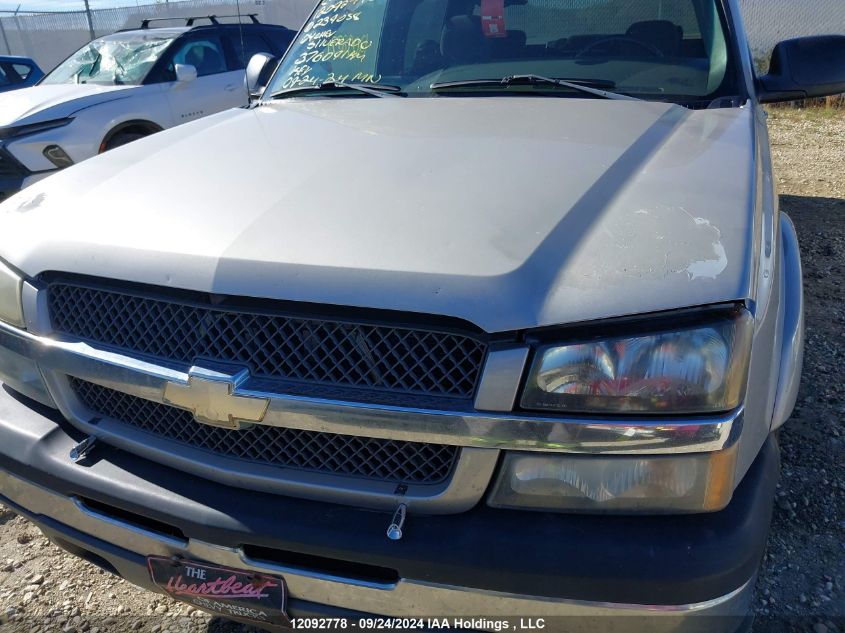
(32, 128)
(11, 310)
(616, 484)
(689, 369)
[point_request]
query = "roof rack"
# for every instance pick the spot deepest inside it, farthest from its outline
(189, 20)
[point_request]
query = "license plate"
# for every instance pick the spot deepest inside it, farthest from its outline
(230, 592)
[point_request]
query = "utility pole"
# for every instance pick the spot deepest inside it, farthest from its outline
(90, 19)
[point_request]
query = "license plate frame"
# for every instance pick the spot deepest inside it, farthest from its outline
(230, 592)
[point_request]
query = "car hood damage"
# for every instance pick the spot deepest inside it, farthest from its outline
(509, 213)
(55, 101)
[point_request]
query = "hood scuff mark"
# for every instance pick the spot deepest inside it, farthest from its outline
(708, 268)
(31, 203)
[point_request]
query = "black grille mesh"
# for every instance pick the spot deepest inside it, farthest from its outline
(315, 351)
(384, 460)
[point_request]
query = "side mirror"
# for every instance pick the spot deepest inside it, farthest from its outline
(805, 68)
(185, 73)
(258, 73)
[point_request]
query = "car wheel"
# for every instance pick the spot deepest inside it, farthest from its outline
(121, 138)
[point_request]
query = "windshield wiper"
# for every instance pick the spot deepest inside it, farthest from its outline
(376, 90)
(529, 80)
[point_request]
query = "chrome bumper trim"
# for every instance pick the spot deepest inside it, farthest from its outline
(404, 598)
(477, 429)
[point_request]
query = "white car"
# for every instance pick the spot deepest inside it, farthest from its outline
(124, 86)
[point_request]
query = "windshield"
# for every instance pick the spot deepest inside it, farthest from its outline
(120, 59)
(659, 49)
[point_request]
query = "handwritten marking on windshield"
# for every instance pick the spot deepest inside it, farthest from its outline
(326, 44)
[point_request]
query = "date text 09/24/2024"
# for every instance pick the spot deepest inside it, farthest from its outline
(419, 624)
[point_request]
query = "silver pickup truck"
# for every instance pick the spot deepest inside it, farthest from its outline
(484, 310)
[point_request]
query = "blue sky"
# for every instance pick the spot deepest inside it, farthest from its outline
(65, 5)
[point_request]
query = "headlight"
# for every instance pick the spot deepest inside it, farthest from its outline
(654, 484)
(694, 367)
(11, 310)
(17, 131)
(19, 372)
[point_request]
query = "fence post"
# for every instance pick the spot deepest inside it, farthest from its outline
(21, 33)
(5, 39)
(90, 19)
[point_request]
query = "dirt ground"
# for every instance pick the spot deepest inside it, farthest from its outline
(802, 584)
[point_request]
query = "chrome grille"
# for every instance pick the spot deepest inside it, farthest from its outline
(375, 459)
(323, 353)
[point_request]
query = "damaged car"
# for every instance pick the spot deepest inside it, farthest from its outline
(125, 86)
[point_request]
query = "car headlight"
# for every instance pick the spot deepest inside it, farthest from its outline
(17, 131)
(11, 310)
(19, 372)
(684, 367)
(616, 484)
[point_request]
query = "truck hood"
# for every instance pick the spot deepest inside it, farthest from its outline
(509, 213)
(46, 103)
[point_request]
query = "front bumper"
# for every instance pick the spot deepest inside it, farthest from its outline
(651, 572)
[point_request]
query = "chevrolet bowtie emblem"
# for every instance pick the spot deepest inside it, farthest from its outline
(209, 395)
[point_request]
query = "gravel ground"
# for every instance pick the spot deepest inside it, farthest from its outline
(802, 584)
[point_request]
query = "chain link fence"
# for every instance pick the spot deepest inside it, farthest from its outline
(771, 21)
(49, 38)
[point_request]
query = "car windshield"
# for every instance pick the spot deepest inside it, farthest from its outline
(120, 59)
(659, 49)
